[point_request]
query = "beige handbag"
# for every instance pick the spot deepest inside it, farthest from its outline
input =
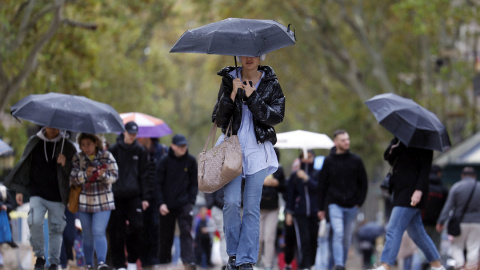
(221, 164)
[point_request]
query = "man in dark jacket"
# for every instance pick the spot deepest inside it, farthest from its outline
(342, 190)
(42, 173)
(177, 175)
(131, 197)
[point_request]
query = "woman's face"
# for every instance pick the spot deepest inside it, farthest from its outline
(88, 147)
(250, 62)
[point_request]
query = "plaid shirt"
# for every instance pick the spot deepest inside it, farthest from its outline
(96, 196)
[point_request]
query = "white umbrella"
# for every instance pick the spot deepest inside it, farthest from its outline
(301, 139)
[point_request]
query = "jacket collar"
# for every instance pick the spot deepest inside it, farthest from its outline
(269, 73)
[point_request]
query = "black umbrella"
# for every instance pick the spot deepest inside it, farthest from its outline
(233, 36)
(412, 124)
(68, 112)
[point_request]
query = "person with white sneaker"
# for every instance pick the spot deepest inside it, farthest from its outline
(411, 167)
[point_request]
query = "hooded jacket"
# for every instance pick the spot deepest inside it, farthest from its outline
(20, 176)
(343, 181)
(132, 170)
(267, 104)
(302, 196)
(177, 177)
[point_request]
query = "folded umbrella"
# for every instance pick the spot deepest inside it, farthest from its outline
(68, 112)
(412, 124)
(148, 126)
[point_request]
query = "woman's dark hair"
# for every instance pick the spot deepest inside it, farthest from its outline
(93, 138)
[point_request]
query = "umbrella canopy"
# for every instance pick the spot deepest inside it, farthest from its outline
(233, 36)
(68, 112)
(5, 149)
(148, 126)
(300, 139)
(412, 124)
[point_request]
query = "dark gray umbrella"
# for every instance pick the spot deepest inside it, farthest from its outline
(412, 124)
(233, 36)
(68, 112)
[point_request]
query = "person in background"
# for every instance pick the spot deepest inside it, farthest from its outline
(469, 239)
(273, 185)
(95, 170)
(215, 204)
(342, 190)
(42, 173)
(151, 216)
(177, 177)
(301, 209)
(203, 228)
(131, 195)
(411, 167)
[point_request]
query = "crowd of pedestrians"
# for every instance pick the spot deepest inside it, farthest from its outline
(135, 192)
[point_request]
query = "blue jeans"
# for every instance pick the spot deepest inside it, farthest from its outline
(341, 220)
(93, 234)
(406, 218)
(242, 233)
(56, 224)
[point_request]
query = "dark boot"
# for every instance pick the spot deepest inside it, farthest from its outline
(53, 267)
(40, 263)
(246, 266)
(231, 265)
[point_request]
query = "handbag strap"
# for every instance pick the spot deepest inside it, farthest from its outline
(468, 201)
(213, 133)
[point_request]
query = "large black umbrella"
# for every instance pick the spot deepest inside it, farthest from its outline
(233, 36)
(412, 124)
(68, 112)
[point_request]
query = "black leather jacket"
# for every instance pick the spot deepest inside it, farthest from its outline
(267, 105)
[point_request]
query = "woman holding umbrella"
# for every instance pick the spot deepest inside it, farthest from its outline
(411, 167)
(252, 99)
(95, 169)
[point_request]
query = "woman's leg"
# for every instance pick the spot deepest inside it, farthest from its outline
(247, 250)
(232, 221)
(87, 236)
(399, 220)
(416, 231)
(99, 224)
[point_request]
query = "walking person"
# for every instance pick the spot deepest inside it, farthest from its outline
(253, 111)
(177, 177)
(131, 194)
(301, 209)
(464, 197)
(151, 216)
(214, 202)
(42, 173)
(95, 170)
(342, 189)
(411, 167)
(273, 185)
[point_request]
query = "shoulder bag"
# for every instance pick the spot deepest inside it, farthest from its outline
(220, 164)
(453, 227)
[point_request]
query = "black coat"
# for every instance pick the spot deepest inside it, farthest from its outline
(410, 172)
(133, 179)
(177, 177)
(267, 105)
(343, 181)
(302, 196)
(270, 194)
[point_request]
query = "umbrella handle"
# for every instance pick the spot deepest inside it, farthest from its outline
(239, 90)
(288, 30)
(63, 142)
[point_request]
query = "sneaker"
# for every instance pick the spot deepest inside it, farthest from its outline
(40, 263)
(231, 265)
(381, 267)
(88, 267)
(287, 267)
(53, 267)
(102, 266)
